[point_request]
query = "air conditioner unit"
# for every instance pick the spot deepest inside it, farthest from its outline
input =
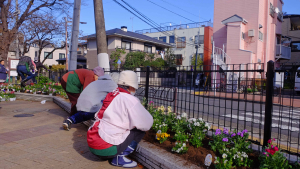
(251, 33)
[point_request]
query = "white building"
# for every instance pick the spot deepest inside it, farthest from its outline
(51, 60)
(183, 38)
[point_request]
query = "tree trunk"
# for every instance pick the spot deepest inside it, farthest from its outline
(4, 55)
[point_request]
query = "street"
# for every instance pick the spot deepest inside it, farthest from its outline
(234, 113)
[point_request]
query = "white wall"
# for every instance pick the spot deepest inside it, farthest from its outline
(48, 62)
(189, 50)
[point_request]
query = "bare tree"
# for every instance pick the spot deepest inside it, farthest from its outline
(44, 31)
(28, 9)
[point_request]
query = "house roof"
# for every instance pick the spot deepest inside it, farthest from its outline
(291, 15)
(132, 35)
(234, 18)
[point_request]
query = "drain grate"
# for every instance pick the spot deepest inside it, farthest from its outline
(23, 115)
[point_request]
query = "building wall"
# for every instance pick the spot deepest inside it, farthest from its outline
(48, 61)
(207, 59)
(256, 12)
(187, 52)
(295, 35)
(113, 43)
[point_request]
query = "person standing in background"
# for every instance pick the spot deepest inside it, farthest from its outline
(3, 72)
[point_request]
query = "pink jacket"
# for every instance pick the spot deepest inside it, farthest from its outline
(124, 113)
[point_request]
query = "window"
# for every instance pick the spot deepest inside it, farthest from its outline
(261, 36)
(171, 39)
(35, 53)
(272, 10)
(62, 56)
(126, 45)
(295, 46)
(155, 37)
(278, 40)
(200, 39)
(148, 49)
(280, 16)
(243, 35)
(178, 59)
(50, 56)
(181, 42)
(163, 38)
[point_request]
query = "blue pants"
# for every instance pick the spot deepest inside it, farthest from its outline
(81, 116)
(22, 71)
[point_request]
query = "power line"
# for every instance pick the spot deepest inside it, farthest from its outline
(170, 11)
(183, 9)
(156, 25)
(152, 24)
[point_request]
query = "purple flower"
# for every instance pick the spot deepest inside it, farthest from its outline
(225, 131)
(232, 135)
(218, 132)
(245, 131)
(239, 133)
(151, 102)
(242, 134)
(225, 139)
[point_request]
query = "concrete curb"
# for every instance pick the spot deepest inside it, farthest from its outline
(33, 97)
(149, 155)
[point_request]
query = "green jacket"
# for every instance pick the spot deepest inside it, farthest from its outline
(73, 84)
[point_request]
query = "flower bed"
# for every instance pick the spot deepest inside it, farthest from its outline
(7, 96)
(52, 89)
(187, 138)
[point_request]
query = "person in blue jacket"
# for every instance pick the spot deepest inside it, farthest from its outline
(3, 72)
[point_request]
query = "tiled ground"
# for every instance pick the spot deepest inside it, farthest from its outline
(40, 142)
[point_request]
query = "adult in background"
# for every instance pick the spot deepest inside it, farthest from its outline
(91, 99)
(39, 65)
(3, 72)
(23, 68)
(74, 82)
(120, 123)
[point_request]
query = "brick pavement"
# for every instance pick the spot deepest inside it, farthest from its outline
(40, 142)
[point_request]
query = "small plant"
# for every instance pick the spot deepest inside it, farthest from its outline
(179, 136)
(249, 90)
(180, 148)
(220, 140)
(198, 129)
(162, 137)
(273, 158)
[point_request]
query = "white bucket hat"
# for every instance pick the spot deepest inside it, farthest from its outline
(128, 78)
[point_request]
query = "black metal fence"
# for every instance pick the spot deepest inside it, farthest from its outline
(243, 96)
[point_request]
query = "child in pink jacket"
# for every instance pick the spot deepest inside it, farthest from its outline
(120, 123)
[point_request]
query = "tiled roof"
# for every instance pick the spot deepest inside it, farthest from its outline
(132, 35)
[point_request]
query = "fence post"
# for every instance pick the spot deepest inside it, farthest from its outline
(269, 102)
(147, 85)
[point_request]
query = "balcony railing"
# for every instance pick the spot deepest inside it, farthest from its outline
(171, 28)
(283, 52)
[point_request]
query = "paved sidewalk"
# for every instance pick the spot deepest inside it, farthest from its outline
(40, 142)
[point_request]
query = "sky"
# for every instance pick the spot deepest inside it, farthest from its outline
(191, 10)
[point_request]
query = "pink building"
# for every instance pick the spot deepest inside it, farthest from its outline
(248, 30)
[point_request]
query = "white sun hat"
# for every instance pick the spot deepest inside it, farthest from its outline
(128, 78)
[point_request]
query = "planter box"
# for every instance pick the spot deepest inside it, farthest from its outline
(12, 99)
(3, 100)
(50, 94)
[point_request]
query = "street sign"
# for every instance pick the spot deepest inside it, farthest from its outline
(119, 62)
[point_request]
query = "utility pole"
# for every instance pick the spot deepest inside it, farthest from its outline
(103, 59)
(17, 39)
(66, 27)
(195, 68)
(132, 22)
(74, 37)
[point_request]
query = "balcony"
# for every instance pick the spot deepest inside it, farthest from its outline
(283, 52)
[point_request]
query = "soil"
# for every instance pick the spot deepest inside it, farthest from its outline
(195, 155)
